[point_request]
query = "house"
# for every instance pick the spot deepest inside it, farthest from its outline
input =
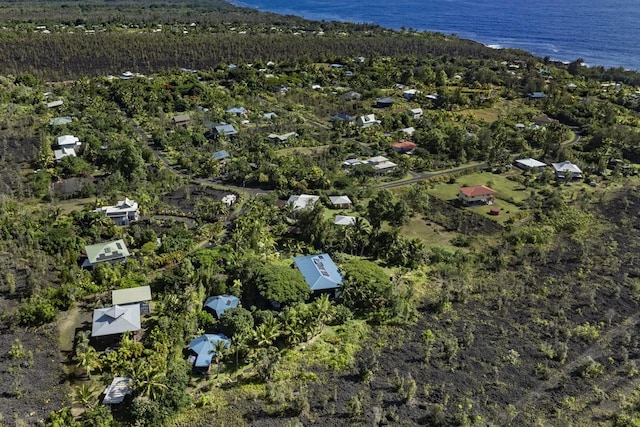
(181, 120)
(303, 201)
(530, 164)
(221, 155)
(60, 121)
(408, 131)
(111, 252)
(404, 147)
(410, 93)
(320, 272)
(381, 164)
(217, 130)
(62, 153)
(68, 141)
(384, 102)
(340, 202)
(237, 111)
(344, 220)
(352, 95)
(115, 320)
(117, 391)
(204, 349)
(221, 303)
(54, 104)
(282, 138)
(566, 171)
(343, 117)
(367, 120)
(123, 213)
(138, 295)
(415, 113)
(476, 195)
(536, 95)
(351, 162)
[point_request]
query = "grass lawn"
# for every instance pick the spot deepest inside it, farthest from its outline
(303, 150)
(506, 189)
(70, 205)
(432, 233)
(508, 193)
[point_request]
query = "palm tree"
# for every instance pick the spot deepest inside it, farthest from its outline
(88, 359)
(322, 307)
(267, 333)
(219, 351)
(149, 381)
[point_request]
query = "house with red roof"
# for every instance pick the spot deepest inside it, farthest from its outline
(404, 147)
(476, 195)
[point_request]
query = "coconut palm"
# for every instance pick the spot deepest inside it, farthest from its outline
(267, 333)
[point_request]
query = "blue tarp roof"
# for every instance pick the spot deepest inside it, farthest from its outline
(204, 346)
(319, 271)
(221, 303)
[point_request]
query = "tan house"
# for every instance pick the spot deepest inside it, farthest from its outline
(476, 195)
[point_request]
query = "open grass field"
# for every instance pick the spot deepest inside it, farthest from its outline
(433, 234)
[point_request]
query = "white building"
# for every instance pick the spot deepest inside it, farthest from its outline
(123, 213)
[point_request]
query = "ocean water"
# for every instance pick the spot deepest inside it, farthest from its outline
(602, 32)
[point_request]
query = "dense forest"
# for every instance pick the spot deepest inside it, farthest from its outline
(242, 145)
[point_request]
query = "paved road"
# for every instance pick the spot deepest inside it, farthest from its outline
(417, 177)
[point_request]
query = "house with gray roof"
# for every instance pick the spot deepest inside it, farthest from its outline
(530, 164)
(115, 320)
(111, 252)
(567, 171)
(63, 152)
(319, 271)
(204, 349)
(181, 120)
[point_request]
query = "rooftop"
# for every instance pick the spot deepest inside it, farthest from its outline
(319, 271)
(477, 190)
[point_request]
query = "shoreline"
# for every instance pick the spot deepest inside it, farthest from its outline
(544, 47)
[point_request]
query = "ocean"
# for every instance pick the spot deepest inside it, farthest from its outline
(602, 32)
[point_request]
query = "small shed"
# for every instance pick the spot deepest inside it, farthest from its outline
(138, 295)
(181, 120)
(117, 391)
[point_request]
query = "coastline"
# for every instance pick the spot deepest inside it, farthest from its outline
(553, 32)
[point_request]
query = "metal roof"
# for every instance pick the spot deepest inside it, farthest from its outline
(115, 320)
(319, 271)
(131, 295)
(107, 251)
(221, 303)
(204, 346)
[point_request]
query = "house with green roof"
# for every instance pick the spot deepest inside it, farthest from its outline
(111, 252)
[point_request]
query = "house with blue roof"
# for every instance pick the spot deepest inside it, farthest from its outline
(216, 130)
(320, 272)
(221, 155)
(204, 349)
(221, 303)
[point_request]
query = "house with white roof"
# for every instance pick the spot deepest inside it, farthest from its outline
(303, 201)
(123, 213)
(415, 113)
(381, 164)
(340, 202)
(566, 171)
(530, 164)
(367, 120)
(344, 220)
(63, 152)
